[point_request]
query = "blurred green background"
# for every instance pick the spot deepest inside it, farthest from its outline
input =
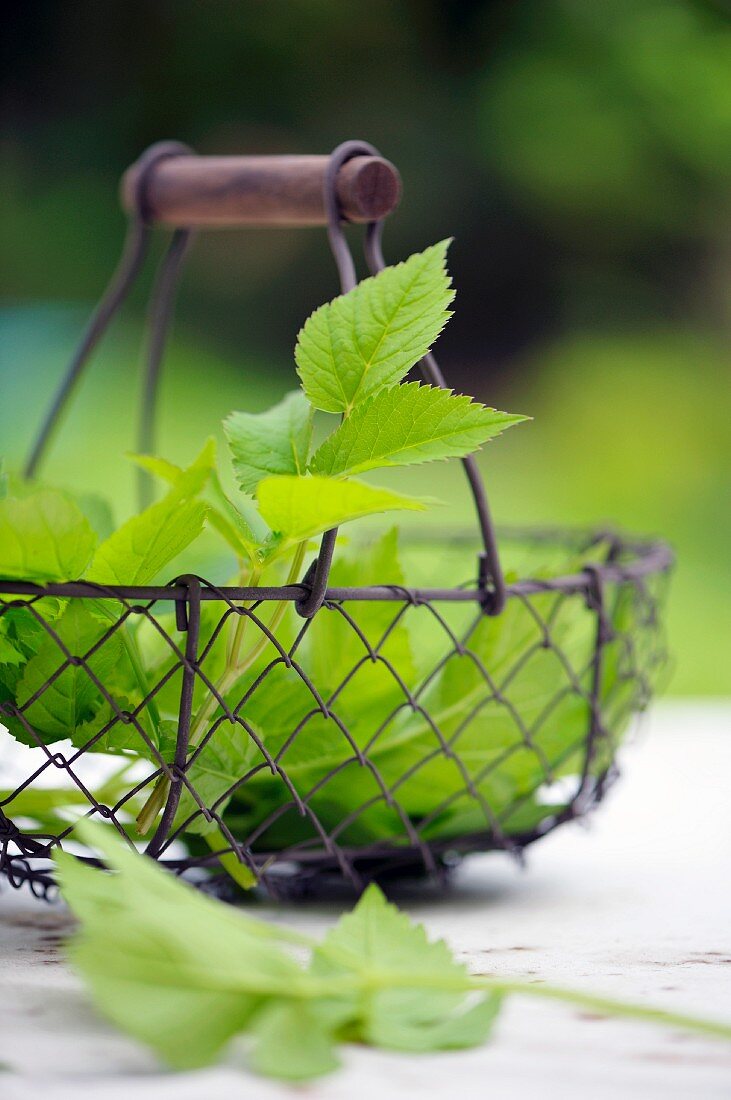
(578, 152)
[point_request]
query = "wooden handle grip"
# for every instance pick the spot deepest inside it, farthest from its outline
(273, 190)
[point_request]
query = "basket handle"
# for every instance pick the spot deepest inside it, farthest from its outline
(134, 253)
(171, 185)
(491, 580)
(225, 192)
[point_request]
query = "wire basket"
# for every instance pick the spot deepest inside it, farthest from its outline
(390, 728)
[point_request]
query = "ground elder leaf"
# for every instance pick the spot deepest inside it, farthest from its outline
(173, 968)
(214, 772)
(408, 424)
(292, 1043)
(370, 337)
(301, 507)
(200, 476)
(184, 974)
(44, 536)
(143, 546)
(415, 995)
(10, 654)
(273, 442)
(70, 698)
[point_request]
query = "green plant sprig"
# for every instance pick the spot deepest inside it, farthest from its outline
(352, 357)
(185, 975)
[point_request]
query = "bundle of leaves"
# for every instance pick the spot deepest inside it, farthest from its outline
(376, 721)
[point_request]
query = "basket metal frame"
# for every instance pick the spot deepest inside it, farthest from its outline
(620, 563)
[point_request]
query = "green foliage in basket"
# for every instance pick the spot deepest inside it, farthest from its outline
(463, 735)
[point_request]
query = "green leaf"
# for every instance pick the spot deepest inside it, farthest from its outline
(184, 974)
(508, 709)
(292, 1043)
(272, 442)
(9, 653)
(25, 633)
(143, 546)
(332, 648)
(98, 511)
(44, 536)
(424, 1005)
(237, 531)
(368, 339)
(71, 698)
(178, 971)
(408, 424)
(119, 738)
(202, 474)
(216, 769)
(189, 481)
(301, 507)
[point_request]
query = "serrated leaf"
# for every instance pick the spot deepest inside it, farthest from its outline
(71, 697)
(422, 1005)
(273, 442)
(404, 1024)
(301, 507)
(368, 339)
(408, 424)
(184, 973)
(222, 515)
(173, 968)
(44, 536)
(143, 546)
(214, 771)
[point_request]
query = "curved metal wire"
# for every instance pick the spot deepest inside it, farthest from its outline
(160, 316)
(490, 568)
(192, 627)
(318, 573)
(642, 559)
(491, 576)
(134, 253)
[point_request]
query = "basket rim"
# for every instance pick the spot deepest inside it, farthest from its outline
(647, 556)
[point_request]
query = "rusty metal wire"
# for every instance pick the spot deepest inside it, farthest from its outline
(491, 575)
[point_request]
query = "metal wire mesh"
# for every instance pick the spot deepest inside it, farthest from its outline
(394, 731)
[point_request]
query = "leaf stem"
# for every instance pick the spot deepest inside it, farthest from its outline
(242, 875)
(607, 1006)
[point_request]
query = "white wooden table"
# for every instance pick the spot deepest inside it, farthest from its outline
(636, 907)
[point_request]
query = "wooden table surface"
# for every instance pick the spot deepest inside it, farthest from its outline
(638, 906)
